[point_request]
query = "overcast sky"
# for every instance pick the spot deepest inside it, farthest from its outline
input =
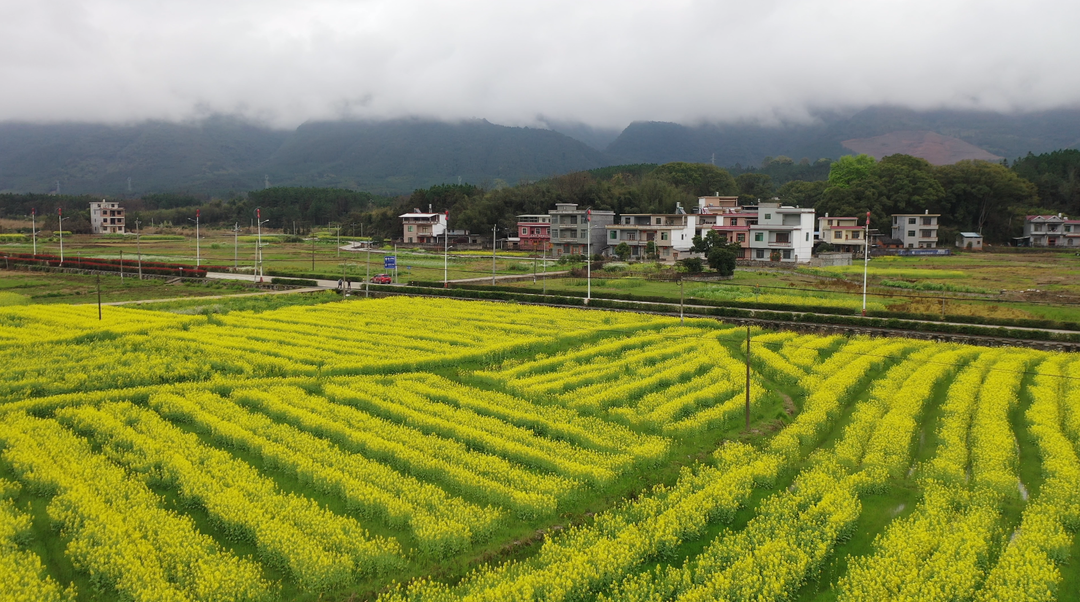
(602, 62)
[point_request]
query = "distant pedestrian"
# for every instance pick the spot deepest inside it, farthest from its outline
(340, 284)
(348, 283)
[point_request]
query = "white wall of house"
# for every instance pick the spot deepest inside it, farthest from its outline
(787, 230)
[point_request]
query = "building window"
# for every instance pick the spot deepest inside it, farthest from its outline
(911, 221)
(783, 237)
(768, 216)
(838, 234)
(911, 233)
(760, 253)
(787, 254)
(927, 233)
(855, 235)
(759, 236)
(658, 221)
(524, 231)
(740, 238)
(807, 237)
(629, 235)
(410, 230)
(626, 220)
(663, 236)
(614, 235)
(928, 221)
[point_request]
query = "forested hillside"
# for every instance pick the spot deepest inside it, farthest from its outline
(225, 156)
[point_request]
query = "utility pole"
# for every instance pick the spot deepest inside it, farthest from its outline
(258, 253)
(493, 254)
(60, 217)
(236, 247)
(588, 257)
(33, 225)
(866, 261)
(198, 254)
(367, 277)
(138, 246)
(313, 251)
(99, 297)
(397, 279)
(446, 251)
(681, 321)
(748, 377)
(338, 238)
(545, 268)
(121, 267)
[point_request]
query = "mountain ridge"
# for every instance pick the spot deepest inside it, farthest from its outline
(224, 155)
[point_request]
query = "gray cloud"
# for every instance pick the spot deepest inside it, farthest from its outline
(602, 62)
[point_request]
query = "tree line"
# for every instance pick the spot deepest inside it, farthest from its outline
(991, 198)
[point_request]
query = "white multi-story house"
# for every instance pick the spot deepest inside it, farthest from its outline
(916, 230)
(570, 229)
(422, 228)
(782, 232)
(843, 233)
(1052, 231)
(106, 217)
(672, 234)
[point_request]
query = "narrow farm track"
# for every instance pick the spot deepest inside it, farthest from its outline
(411, 449)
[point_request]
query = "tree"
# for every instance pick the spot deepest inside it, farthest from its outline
(722, 259)
(705, 244)
(850, 169)
(650, 250)
(979, 195)
(754, 186)
(693, 265)
(802, 194)
(908, 185)
(622, 251)
(698, 179)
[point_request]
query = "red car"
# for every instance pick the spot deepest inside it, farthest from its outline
(382, 279)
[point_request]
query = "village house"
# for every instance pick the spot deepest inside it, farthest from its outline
(782, 233)
(106, 217)
(916, 230)
(570, 230)
(1052, 231)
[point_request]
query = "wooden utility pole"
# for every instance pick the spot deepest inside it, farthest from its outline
(747, 377)
(99, 297)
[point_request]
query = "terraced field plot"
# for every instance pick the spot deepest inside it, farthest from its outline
(409, 449)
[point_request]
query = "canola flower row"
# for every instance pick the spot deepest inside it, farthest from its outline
(550, 420)
(319, 549)
(828, 385)
(117, 531)
(683, 387)
(521, 445)
(805, 351)
(582, 561)
(794, 531)
(22, 571)
(442, 524)
(133, 347)
(1028, 567)
(474, 475)
(994, 456)
(678, 401)
(941, 551)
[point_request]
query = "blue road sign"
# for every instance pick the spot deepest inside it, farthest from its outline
(389, 262)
